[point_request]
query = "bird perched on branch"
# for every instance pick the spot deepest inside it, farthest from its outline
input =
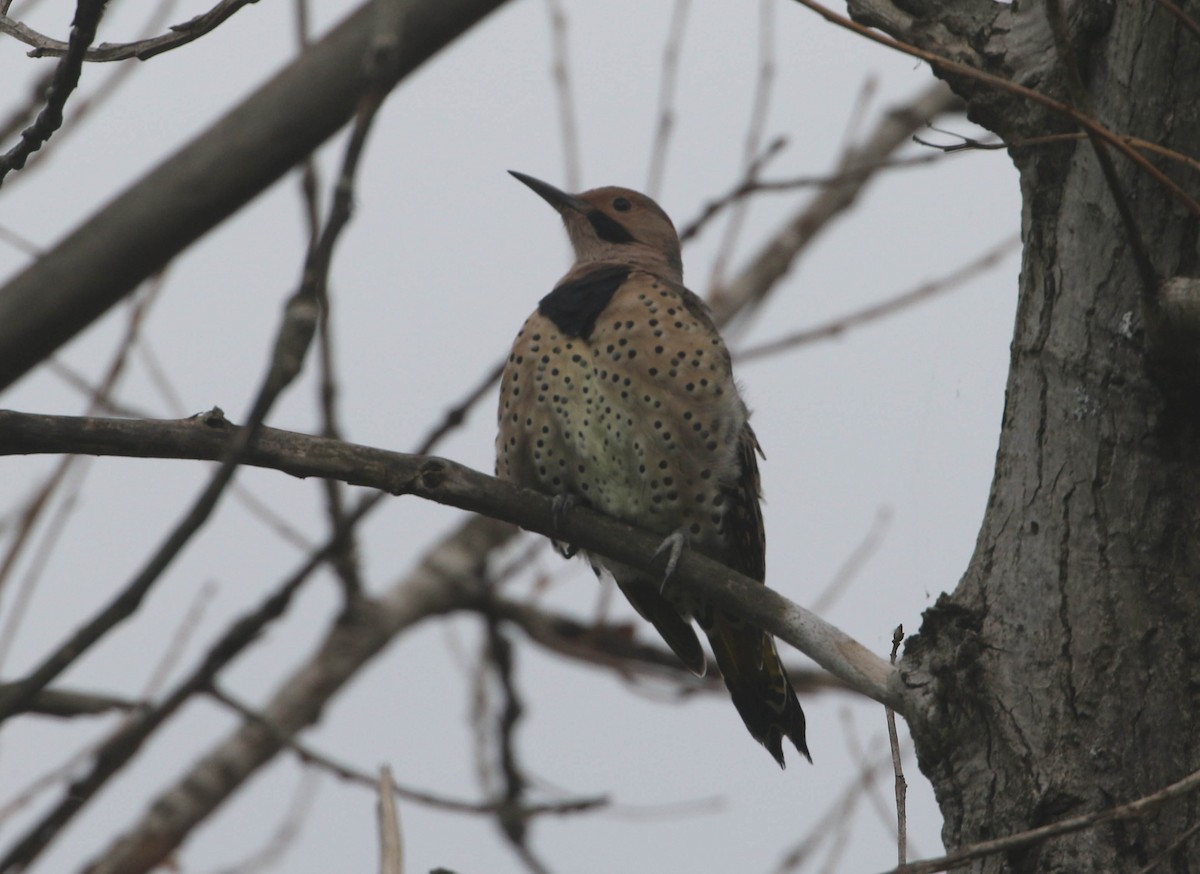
(619, 395)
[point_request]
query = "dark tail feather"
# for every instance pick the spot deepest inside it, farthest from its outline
(678, 632)
(758, 684)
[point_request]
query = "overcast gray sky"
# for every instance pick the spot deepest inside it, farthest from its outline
(445, 258)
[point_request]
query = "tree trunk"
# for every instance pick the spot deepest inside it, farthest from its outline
(1063, 674)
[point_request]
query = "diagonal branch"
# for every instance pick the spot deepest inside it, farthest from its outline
(208, 180)
(448, 575)
(142, 49)
(855, 171)
(207, 437)
(1008, 843)
(66, 78)
(946, 65)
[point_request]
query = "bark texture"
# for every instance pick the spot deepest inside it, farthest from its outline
(1063, 674)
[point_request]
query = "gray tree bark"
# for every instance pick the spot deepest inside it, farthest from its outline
(1062, 676)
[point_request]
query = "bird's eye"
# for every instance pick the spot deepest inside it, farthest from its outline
(621, 204)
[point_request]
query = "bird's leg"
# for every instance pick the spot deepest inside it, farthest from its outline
(674, 544)
(562, 503)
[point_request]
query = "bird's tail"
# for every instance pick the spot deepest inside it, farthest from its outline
(758, 684)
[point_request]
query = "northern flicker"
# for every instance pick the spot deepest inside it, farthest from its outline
(619, 394)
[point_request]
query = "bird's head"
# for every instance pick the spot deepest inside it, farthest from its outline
(614, 224)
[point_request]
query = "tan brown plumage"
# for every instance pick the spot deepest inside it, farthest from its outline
(619, 393)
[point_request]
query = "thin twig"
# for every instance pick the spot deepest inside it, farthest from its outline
(21, 243)
(60, 773)
(898, 765)
(966, 143)
(187, 627)
(108, 87)
(749, 184)
(668, 76)
(854, 562)
(883, 807)
(922, 292)
(67, 704)
(142, 49)
(291, 825)
(457, 414)
(115, 752)
(309, 755)
(858, 111)
(561, 72)
(68, 478)
(1008, 843)
(774, 259)
(1184, 18)
(1186, 835)
(346, 564)
(310, 181)
(754, 134)
(510, 816)
(869, 770)
(291, 343)
(391, 854)
(69, 466)
(946, 65)
(66, 78)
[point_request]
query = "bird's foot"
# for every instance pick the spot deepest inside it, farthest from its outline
(562, 503)
(673, 545)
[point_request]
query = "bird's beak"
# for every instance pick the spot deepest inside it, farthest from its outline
(558, 199)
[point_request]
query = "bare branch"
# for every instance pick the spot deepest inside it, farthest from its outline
(457, 414)
(965, 143)
(754, 133)
(453, 484)
(869, 770)
(1185, 19)
(115, 752)
(207, 181)
(854, 562)
(772, 262)
(391, 854)
(668, 76)
(65, 703)
(748, 185)
(294, 335)
(1007, 844)
(269, 856)
(379, 60)
(98, 95)
(922, 292)
(449, 575)
(898, 766)
(66, 471)
(66, 77)
(142, 49)
(308, 755)
(957, 68)
(561, 72)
